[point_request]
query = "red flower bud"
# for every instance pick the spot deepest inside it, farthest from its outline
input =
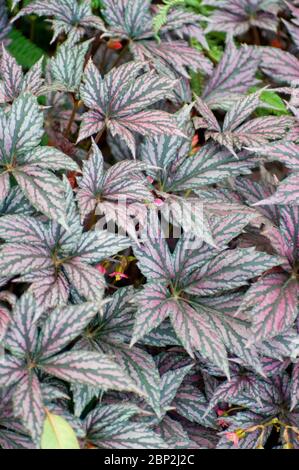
(115, 45)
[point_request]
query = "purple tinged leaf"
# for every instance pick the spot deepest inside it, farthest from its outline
(50, 289)
(274, 306)
(119, 101)
(154, 306)
(280, 65)
(63, 325)
(240, 111)
(20, 129)
(21, 338)
(88, 281)
(28, 405)
(176, 55)
(284, 151)
(293, 26)
(123, 181)
(236, 17)
(192, 404)
(209, 119)
(197, 333)
(17, 258)
(141, 369)
(49, 158)
(11, 77)
(70, 17)
(4, 186)
(128, 19)
(108, 427)
(66, 68)
(15, 228)
(295, 386)
(4, 321)
(11, 370)
(89, 368)
(37, 184)
(209, 165)
(154, 257)
(185, 24)
(233, 268)
(286, 194)
(170, 384)
(232, 77)
(100, 244)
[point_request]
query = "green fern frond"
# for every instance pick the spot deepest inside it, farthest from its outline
(161, 18)
(25, 52)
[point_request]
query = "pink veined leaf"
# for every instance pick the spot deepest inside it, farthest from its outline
(24, 134)
(241, 110)
(100, 244)
(21, 337)
(86, 279)
(4, 186)
(66, 68)
(154, 306)
(191, 404)
(11, 370)
(128, 19)
(273, 367)
(281, 346)
(4, 321)
(233, 268)
(275, 306)
(103, 432)
(236, 135)
(236, 17)
(185, 24)
(49, 158)
(28, 405)
(227, 391)
(165, 151)
(141, 368)
(14, 228)
(25, 122)
(286, 194)
(289, 219)
(292, 26)
(115, 327)
(232, 77)
(33, 81)
(14, 82)
(171, 382)
(70, 17)
(11, 77)
(18, 257)
(285, 151)
(65, 324)
(5, 26)
(208, 116)
(173, 433)
(295, 386)
(119, 101)
(209, 165)
(280, 65)
(154, 257)
(50, 289)
(37, 185)
(125, 216)
(89, 368)
(177, 55)
(197, 333)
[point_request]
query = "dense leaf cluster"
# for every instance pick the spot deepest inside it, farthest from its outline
(149, 225)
